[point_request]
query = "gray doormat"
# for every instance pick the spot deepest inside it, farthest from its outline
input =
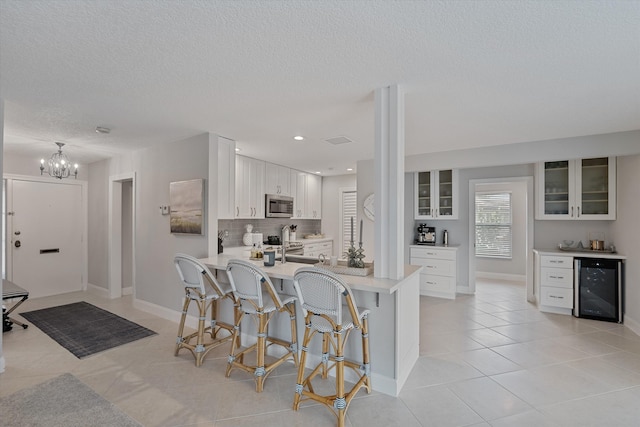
(85, 329)
(62, 401)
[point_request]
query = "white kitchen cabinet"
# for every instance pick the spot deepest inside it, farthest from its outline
(317, 248)
(226, 178)
(436, 194)
(277, 179)
(581, 189)
(314, 197)
(555, 282)
(249, 188)
(438, 277)
(306, 189)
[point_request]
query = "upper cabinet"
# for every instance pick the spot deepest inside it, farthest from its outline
(436, 194)
(277, 180)
(226, 178)
(306, 190)
(249, 188)
(582, 189)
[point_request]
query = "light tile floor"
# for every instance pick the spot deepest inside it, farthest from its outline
(490, 359)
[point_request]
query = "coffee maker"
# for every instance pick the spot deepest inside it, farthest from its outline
(426, 235)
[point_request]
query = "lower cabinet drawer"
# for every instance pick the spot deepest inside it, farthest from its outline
(437, 283)
(556, 277)
(556, 297)
(435, 266)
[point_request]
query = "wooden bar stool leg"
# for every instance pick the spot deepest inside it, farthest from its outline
(200, 349)
(340, 404)
(180, 339)
(365, 352)
(303, 360)
(260, 351)
(326, 338)
(235, 341)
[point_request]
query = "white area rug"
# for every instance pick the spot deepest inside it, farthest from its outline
(63, 401)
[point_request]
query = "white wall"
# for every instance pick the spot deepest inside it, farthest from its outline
(99, 223)
(25, 165)
(625, 232)
(610, 144)
(156, 279)
(331, 223)
(127, 234)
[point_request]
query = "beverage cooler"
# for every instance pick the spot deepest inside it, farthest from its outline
(599, 289)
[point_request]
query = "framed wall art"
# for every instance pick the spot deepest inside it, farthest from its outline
(186, 199)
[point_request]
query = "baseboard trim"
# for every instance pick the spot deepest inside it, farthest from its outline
(165, 313)
(632, 324)
(98, 290)
(501, 276)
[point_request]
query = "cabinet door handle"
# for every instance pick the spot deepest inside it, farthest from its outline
(578, 209)
(237, 211)
(571, 211)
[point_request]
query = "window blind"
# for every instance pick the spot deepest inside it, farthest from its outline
(349, 210)
(493, 224)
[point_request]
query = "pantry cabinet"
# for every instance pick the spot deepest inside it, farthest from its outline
(277, 179)
(306, 189)
(436, 194)
(249, 188)
(580, 189)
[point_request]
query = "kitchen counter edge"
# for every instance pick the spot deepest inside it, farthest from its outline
(578, 254)
(287, 270)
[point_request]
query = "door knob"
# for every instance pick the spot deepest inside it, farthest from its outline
(17, 244)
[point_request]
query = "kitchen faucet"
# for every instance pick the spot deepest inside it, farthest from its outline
(285, 234)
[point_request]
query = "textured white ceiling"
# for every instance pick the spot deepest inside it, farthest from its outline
(475, 73)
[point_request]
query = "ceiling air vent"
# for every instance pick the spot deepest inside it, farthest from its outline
(338, 140)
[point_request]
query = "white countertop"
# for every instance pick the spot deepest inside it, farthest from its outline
(319, 240)
(439, 246)
(287, 270)
(580, 254)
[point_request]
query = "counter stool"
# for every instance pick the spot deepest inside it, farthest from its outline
(331, 311)
(202, 288)
(258, 298)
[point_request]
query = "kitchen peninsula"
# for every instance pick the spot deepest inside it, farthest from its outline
(393, 321)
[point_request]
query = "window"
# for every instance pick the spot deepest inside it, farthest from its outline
(493, 224)
(348, 210)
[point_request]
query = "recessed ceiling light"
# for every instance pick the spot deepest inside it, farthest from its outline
(298, 138)
(101, 129)
(237, 149)
(349, 169)
(318, 172)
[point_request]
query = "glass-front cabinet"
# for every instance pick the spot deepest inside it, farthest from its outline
(580, 189)
(436, 194)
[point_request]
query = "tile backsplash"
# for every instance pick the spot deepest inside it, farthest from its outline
(268, 227)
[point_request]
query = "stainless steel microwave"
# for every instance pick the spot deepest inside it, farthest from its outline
(278, 206)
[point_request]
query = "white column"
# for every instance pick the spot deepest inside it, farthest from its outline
(389, 182)
(212, 196)
(1, 246)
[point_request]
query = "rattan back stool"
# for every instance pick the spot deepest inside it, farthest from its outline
(202, 288)
(330, 310)
(258, 298)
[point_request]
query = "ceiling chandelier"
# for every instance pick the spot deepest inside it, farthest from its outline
(59, 166)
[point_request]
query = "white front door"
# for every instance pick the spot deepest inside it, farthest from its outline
(46, 237)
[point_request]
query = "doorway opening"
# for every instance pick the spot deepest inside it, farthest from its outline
(500, 259)
(122, 235)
